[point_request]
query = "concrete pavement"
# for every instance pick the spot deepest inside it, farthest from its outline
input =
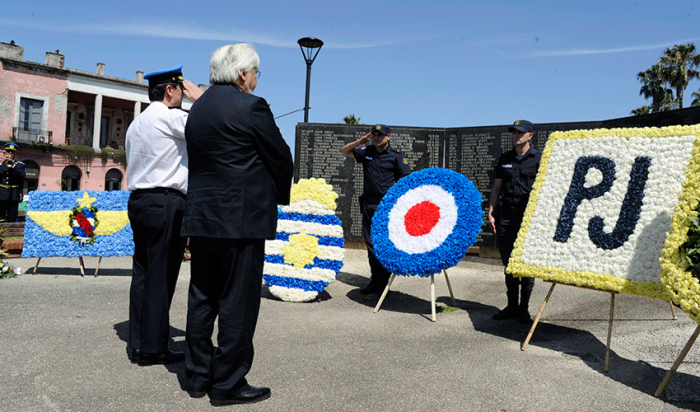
(63, 347)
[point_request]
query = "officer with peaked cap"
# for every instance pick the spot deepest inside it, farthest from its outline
(12, 175)
(156, 153)
(515, 174)
(382, 166)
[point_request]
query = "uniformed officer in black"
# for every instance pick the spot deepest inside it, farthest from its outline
(515, 174)
(382, 166)
(12, 175)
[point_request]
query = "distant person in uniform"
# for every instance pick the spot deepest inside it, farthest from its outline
(515, 174)
(382, 166)
(12, 173)
(157, 176)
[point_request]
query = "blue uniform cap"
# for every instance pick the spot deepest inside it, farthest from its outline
(523, 126)
(11, 146)
(383, 129)
(171, 75)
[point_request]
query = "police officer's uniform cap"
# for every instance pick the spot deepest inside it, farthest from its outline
(383, 129)
(523, 126)
(169, 76)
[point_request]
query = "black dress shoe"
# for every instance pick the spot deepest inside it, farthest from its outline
(508, 313)
(372, 288)
(250, 394)
(199, 391)
(134, 355)
(165, 358)
(524, 317)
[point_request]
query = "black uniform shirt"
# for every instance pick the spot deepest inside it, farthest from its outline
(381, 170)
(518, 176)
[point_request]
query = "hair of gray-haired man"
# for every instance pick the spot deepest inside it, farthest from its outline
(230, 61)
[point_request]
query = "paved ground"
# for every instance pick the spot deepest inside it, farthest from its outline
(63, 347)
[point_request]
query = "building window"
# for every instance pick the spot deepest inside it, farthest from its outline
(113, 180)
(104, 131)
(70, 179)
(30, 119)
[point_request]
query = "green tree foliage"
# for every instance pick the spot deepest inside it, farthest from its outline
(641, 110)
(351, 119)
(654, 87)
(679, 66)
(674, 70)
(696, 99)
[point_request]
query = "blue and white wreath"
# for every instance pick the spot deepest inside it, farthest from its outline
(426, 222)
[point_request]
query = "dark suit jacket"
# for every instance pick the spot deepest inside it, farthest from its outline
(240, 167)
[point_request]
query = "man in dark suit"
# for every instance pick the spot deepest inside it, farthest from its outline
(240, 169)
(12, 175)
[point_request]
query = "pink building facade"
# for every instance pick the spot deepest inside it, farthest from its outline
(70, 125)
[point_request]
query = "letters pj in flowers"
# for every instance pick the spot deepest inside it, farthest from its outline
(602, 205)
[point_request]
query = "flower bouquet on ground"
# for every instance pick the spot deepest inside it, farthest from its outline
(6, 270)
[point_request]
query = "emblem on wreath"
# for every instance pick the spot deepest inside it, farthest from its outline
(83, 220)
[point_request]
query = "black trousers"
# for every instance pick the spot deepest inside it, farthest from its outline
(8, 210)
(226, 281)
(379, 273)
(507, 233)
(156, 220)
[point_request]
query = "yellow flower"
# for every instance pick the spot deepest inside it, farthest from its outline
(301, 250)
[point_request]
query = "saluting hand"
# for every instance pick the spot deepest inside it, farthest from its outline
(191, 91)
(364, 139)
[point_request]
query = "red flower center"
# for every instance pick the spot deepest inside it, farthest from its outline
(421, 218)
(84, 223)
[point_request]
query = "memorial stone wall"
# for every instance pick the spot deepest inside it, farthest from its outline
(472, 151)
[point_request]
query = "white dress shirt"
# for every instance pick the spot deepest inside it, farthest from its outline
(156, 151)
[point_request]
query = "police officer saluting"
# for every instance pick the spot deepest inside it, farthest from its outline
(515, 174)
(156, 152)
(382, 166)
(12, 175)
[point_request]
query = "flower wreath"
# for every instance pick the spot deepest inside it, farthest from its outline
(308, 250)
(83, 220)
(602, 205)
(426, 222)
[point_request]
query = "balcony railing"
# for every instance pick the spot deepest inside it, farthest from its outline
(35, 136)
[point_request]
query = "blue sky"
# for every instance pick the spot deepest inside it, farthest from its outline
(412, 63)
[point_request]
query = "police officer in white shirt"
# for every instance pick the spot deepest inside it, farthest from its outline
(156, 154)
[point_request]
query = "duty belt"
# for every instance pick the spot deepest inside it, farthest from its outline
(371, 200)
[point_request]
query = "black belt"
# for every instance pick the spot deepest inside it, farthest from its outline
(161, 191)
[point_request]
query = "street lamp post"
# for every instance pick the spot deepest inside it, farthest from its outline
(307, 45)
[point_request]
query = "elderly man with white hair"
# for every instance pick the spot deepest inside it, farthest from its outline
(240, 169)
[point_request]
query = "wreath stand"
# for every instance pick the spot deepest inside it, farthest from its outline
(610, 322)
(432, 292)
(681, 357)
(82, 266)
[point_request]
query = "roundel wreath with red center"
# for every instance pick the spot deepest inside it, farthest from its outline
(426, 222)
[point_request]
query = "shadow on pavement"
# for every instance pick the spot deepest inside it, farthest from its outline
(583, 345)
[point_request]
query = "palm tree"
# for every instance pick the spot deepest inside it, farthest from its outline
(654, 87)
(696, 99)
(641, 110)
(679, 68)
(350, 119)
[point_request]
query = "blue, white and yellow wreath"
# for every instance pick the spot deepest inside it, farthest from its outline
(81, 223)
(309, 248)
(426, 222)
(601, 207)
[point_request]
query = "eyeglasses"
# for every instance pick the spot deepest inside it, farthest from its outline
(258, 73)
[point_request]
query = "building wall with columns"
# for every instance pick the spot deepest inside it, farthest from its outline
(70, 124)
